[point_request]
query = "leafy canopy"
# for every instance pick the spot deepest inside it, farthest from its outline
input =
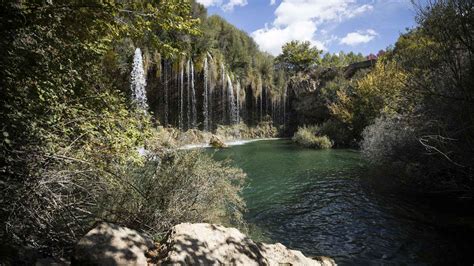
(298, 56)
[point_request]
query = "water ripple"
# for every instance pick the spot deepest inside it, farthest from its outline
(313, 201)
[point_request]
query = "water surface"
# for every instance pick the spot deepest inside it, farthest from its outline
(315, 201)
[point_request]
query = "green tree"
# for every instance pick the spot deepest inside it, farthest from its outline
(429, 140)
(379, 92)
(65, 121)
(298, 56)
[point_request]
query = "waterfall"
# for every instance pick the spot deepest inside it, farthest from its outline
(261, 103)
(138, 81)
(284, 105)
(267, 100)
(165, 78)
(273, 109)
(188, 94)
(238, 102)
(193, 98)
(231, 100)
(211, 95)
(181, 96)
(223, 94)
(205, 96)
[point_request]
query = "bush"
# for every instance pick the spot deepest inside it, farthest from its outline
(58, 203)
(307, 137)
(404, 150)
(388, 140)
(184, 186)
(264, 129)
(339, 133)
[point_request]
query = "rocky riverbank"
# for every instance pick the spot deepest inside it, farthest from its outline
(185, 244)
(174, 138)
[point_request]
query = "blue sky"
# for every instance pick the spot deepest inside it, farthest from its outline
(364, 26)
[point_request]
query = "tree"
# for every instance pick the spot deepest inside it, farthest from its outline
(65, 122)
(432, 129)
(298, 56)
(379, 92)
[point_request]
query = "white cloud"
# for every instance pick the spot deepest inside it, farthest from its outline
(208, 3)
(232, 3)
(300, 19)
(272, 39)
(320, 11)
(226, 6)
(359, 37)
(272, 2)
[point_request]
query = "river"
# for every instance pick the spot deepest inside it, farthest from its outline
(316, 202)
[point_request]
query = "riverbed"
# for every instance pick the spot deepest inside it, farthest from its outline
(318, 202)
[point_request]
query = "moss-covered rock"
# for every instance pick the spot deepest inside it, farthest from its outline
(216, 142)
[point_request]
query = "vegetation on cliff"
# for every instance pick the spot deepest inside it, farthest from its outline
(71, 131)
(412, 112)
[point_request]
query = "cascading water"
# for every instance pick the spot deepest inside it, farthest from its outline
(284, 105)
(181, 96)
(138, 81)
(165, 78)
(273, 109)
(231, 100)
(211, 94)
(205, 97)
(193, 98)
(238, 102)
(261, 103)
(223, 94)
(188, 94)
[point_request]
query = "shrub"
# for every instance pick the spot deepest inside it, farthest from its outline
(50, 210)
(339, 133)
(387, 140)
(184, 186)
(307, 137)
(264, 129)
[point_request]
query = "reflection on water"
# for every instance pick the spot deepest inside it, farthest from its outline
(314, 201)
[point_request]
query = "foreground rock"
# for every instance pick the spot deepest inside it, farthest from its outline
(109, 244)
(207, 244)
(215, 142)
(185, 244)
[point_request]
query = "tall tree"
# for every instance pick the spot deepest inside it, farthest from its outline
(298, 56)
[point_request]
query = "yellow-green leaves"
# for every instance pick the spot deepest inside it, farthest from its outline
(298, 56)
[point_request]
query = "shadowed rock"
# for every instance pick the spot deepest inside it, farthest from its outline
(109, 244)
(185, 244)
(207, 244)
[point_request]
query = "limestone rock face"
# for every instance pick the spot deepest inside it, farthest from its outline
(216, 142)
(109, 244)
(207, 244)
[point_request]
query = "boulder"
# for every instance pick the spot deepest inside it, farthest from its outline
(109, 244)
(215, 142)
(208, 244)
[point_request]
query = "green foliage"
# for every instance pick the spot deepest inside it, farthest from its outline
(386, 138)
(238, 52)
(341, 59)
(264, 129)
(183, 186)
(425, 122)
(67, 126)
(339, 133)
(308, 137)
(298, 56)
(379, 92)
